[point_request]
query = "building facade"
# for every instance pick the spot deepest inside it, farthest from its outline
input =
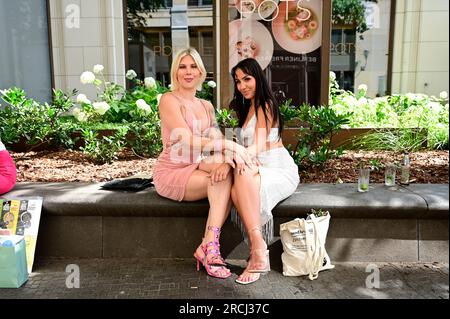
(51, 42)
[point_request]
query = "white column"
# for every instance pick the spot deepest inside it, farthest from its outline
(85, 33)
(179, 26)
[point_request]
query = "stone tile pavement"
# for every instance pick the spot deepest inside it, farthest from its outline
(178, 279)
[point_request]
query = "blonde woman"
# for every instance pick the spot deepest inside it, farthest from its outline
(182, 172)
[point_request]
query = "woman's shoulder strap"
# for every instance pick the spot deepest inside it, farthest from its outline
(209, 108)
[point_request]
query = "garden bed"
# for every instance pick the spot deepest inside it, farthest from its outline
(73, 166)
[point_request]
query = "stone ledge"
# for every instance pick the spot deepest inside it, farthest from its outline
(386, 224)
(429, 201)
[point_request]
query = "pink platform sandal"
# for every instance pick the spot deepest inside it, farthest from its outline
(214, 265)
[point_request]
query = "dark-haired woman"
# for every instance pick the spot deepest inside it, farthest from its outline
(7, 170)
(256, 191)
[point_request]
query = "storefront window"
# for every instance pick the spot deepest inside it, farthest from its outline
(362, 58)
(154, 39)
(202, 40)
(25, 57)
(199, 3)
(285, 37)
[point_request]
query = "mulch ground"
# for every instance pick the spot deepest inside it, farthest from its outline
(73, 166)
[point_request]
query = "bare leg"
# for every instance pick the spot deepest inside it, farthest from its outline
(199, 186)
(245, 193)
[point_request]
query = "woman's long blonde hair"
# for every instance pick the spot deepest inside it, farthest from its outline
(176, 64)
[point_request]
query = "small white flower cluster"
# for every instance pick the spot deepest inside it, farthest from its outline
(87, 77)
(150, 83)
(332, 76)
(131, 74)
(143, 106)
(80, 115)
(363, 87)
(99, 108)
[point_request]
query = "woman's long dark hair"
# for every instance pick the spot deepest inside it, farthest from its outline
(263, 95)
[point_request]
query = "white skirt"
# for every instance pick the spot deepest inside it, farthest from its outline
(279, 180)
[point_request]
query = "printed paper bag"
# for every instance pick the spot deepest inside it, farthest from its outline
(13, 262)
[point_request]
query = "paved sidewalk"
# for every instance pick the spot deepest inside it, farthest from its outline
(164, 278)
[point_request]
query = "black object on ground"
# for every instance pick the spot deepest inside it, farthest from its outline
(130, 184)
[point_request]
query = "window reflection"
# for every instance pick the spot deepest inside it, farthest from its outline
(363, 58)
(25, 57)
(151, 43)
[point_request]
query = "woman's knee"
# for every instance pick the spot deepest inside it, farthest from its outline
(244, 176)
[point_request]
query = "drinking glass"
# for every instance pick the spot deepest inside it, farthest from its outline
(389, 175)
(363, 180)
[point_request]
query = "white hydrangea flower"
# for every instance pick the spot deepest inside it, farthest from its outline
(350, 100)
(82, 98)
(332, 76)
(76, 111)
(131, 74)
(87, 77)
(435, 107)
(101, 107)
(362, 102)
(150, 83)
(212, 84)
(362, 87)
(98, 68)
(142, 105)
(81, 116)
(411, 96)
(443, 95)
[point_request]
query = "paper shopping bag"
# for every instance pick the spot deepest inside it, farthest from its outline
(13, 261)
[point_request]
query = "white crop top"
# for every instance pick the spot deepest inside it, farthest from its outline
(247, 134)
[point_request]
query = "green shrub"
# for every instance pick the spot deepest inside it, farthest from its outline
(226, 118)
(103, 149)
(401, 111)
(313, 146)
(24, 119)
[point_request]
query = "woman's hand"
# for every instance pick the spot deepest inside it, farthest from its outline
(220, 173)
(242, 159)
(253, 153)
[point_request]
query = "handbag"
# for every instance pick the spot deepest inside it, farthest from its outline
(304, 246)
(13, 261)
(129, 184)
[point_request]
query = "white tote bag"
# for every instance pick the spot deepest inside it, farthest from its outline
(304, 246)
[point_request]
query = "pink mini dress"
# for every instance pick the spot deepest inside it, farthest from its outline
(7, 172)
(176, 163)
